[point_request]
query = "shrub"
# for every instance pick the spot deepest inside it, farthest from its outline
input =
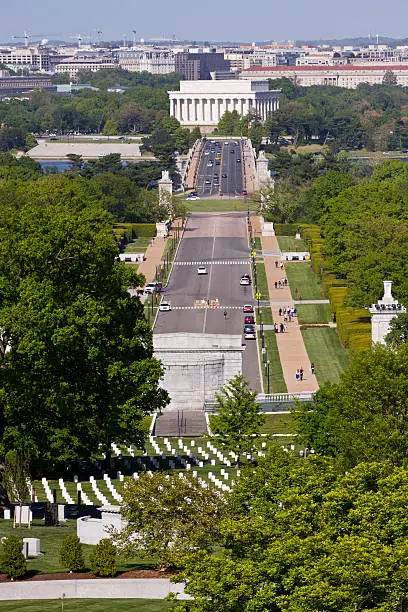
(71, 554)
(103, 558)
(12, 560)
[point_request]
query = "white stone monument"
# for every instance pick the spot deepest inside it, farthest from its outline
(382, 313)
(165, 187)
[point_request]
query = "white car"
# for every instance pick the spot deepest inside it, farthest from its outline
(206, 152)
(202, 270)
(165, 307)
(245, 280)
(192, 198)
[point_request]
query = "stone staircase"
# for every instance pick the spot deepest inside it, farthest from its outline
(181, 423)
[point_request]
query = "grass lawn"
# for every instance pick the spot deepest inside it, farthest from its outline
(262, 283)
(87, 605)
(314, 313)
(276, 381)
(301, 277)
(139, 245)
(278, 424)
(219, 206)
(50, 543)
(289, 243)
(258, 245)
(267, 315)
(325, 351)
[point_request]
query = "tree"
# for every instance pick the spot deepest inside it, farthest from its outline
(12, 560)
(70, 555)
(239, 419)
(80, 372)
(103, 558)
(168, 517)
(298, 535)
(16, 475)
(398, 331)
(364, 416)
(390, 78)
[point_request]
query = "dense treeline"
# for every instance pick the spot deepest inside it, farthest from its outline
(133, 111)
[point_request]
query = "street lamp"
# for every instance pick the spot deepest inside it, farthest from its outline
(268, 363)
(258, 296)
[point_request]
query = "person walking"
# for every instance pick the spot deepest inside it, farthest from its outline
(276, 285)
(281, 266)
(281, 328)
(285, 328)
(280, 312)
(312, 367)
(301, 373)
(225, 315)
(297, 375)
(276, 263)
(276, 328)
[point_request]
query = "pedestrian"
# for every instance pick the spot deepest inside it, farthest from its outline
(225, 314)
(286, 281)
(301, 373)
(294, 311)
(297, 375)
(280, 312)
(284, 310)
(276, 263)
(290, 318)
(312, 367)
(281, 266)
(285, 318)
(296, 291)
(276, 328)
(281, 328)
(276, 285)
(285, 328)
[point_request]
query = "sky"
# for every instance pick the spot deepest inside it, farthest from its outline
(235, 20)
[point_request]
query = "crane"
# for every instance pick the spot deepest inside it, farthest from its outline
(26, 37)
(79, 39)
(134, 38)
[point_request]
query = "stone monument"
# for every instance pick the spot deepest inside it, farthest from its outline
(165, 187)
(382, 313)
(263, 174)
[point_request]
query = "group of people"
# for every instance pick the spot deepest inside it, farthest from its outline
(281, 283)
(279, 264)
(281, 327)
(300, 371)
(287, 313)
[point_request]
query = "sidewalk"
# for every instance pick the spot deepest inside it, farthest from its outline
(292, 350)
(101, 588)
(154, 255)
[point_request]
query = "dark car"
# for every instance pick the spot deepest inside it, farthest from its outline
(244, 192)
(224, 175)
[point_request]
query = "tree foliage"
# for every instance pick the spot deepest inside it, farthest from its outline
(239, 419)
(103, 558)
(299, 536)
(168, 517)
(80, 372)
(12, 561)
(365, 416)
(70, 555)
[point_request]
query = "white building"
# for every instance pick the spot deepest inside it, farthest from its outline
(203, 103)
(157, 61)
(34, 58)
(348, 76)
(81, 64)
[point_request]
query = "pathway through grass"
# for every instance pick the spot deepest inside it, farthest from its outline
(290, 243)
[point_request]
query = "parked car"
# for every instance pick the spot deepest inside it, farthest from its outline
(249, 332)
(244, 192)
(202, 270)
(248, 308)
(249, 319)
(153, 288)
(192, 197)
(165, 307)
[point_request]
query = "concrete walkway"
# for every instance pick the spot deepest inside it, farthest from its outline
(154, 255)
(292, 350)
(101, 588)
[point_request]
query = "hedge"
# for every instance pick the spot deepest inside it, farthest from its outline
(353, 324)
(136, 230)
(285, 229)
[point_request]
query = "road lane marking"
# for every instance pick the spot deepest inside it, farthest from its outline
(210, 275)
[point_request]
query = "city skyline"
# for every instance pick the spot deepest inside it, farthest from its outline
(232, 20)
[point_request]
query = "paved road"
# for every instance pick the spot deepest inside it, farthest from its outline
(219, 240)
(219, 171)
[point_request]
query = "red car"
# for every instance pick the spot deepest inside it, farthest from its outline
(248, 308)
(249, 320)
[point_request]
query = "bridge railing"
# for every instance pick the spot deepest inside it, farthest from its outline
(272, 402)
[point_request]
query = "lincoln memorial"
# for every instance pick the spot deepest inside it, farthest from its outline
(203, 103)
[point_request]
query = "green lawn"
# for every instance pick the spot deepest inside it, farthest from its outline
(302, 278)
(266, 315)
(276, 381)
(278, 424)
(314, 313)
(87, 605)
(258, 245)
(50, 543)
(139, 245)
(262, 283)
(289, 243)
(219, 206)
(325, 351)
